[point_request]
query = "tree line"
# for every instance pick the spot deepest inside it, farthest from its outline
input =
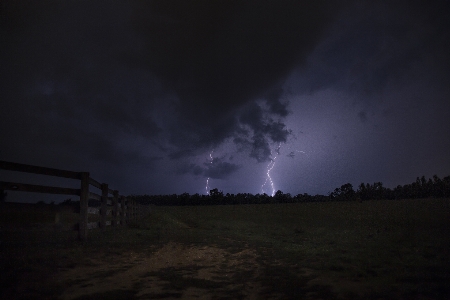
(217, 197)
(421, 188)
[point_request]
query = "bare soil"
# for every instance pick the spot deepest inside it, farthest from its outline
(195, 272)
(174, 270)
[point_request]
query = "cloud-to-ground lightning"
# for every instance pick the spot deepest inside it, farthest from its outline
(269, 168)
(207, 180)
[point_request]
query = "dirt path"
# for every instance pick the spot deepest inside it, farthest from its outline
(179, 271)
(173, 271)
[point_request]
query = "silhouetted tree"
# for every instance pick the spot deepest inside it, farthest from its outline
(216, 196)
(422, 187)
(335, 194)
(347, 192)
(446, 183)
(279, 196)
(378, 190)
(438, 187)
(344, 193)
(362, 191)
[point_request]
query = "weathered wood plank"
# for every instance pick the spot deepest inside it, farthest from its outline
(92, 225)
(95, 183)
(84, 197)
(108, 212)
(93, 210)
(24, 187)
(95, 196)
(122, 210)
(104, 205)
(115, 215)
(5, 165)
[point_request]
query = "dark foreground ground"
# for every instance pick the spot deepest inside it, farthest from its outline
(346, 250)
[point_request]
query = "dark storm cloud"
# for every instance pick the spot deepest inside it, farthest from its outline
(376, 46)
(181, 154)
(276, 106)
(155, 85)
(218, 56)
(258, 129)
(217, 168)
(65, 88)
(260, 148)
(221, 170)
(116, 65)
(362, 116)
(191, 169)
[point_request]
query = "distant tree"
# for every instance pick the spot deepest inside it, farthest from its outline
(417, 188)
(362, 192)
(305, 197)
(215, 192)
(398, 192)
(279, 196)
(446, 184)
(216, 196)
(429, 188)
(184, 199)
(334, 195)
(288, 197)
(344, 193)
(378, 190)
(438, 187)
(347, 192)
(423, 187)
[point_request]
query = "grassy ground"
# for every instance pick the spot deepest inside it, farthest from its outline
(346, 250)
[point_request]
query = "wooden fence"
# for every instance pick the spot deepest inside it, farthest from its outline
(118, 209)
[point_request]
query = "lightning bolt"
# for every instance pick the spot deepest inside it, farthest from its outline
(207, 180)
(269, 168)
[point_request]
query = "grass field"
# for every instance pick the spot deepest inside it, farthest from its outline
(336, 250)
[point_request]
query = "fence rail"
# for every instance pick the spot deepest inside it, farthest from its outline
(115, 210)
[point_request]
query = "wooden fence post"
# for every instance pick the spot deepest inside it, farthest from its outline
(104, 205)
(138, 208)
(84, 198)
(116, 207)
(134, 210)
(129, 211)
(123, 210)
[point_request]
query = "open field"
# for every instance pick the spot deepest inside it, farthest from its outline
(336, 250)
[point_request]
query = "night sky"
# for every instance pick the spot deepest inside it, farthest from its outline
(155, 97)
